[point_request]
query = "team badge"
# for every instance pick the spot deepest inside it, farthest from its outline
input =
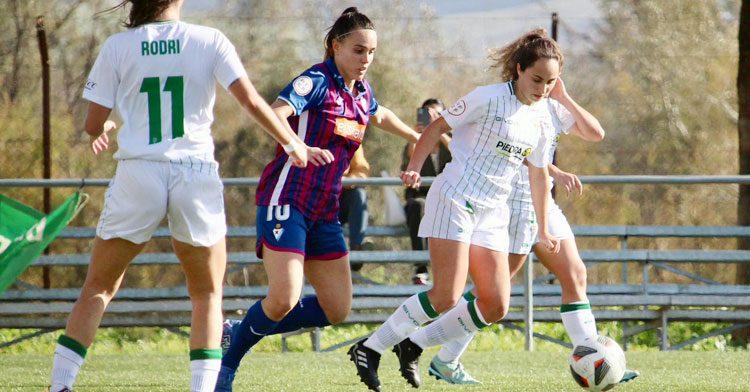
(458, 108)
(302, 85)
(278, 231)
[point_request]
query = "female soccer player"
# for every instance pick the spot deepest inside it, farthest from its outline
(495, 128)
(329, 106)
(165, 166)
(567, 118)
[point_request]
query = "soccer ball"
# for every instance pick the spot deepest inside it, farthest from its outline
(597, 364)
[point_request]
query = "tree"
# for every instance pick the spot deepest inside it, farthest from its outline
(743, 129)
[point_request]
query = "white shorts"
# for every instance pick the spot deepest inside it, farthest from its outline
(142, 192)
(449, 216)
(523, 228)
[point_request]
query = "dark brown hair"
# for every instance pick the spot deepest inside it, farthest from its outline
(525, 50)
(142, 11)
(350, 20)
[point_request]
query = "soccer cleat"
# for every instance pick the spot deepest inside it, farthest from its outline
(62, 390)
(228, 329)
(421, 279)
(225, 379)
(408, 357)
(452, 372)
(367, 361)
(629, 375)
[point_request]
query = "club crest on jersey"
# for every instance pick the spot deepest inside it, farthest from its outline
(302, 85)
(278, 231)
(350, 129)
(458, 108)
(511, 150)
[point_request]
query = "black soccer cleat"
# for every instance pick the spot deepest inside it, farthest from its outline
(367, 361)
(408, 357)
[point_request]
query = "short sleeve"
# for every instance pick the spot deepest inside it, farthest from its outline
(540, 154)
(306, 91)
(563, 116)
(374, 105)
(467, 109)
(228, 66)
(103, 82)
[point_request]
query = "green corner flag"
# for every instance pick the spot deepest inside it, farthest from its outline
(26, 232)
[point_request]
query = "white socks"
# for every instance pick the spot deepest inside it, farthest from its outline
(451, 351)
(415, 311)
(65, 368)
(459, 322)
(578, 321)
(203, 374)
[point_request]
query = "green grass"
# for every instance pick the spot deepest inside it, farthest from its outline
(308, 371)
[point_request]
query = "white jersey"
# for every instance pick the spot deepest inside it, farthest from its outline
(492, 134)
(558, 122)
(162, 78)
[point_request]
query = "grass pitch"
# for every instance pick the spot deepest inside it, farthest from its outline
(308, 371)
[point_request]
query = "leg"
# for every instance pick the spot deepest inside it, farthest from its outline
(569, 269)
(109, 259)
(332, 282)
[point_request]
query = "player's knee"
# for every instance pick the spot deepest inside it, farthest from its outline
(338, 315)
(497, 310)
(277, 308)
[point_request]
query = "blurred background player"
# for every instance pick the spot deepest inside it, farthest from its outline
(495, 132)
(299, 235)
(353, 205)
(439, 157)
(165, 166)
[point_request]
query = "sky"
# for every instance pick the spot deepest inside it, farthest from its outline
(481, 24)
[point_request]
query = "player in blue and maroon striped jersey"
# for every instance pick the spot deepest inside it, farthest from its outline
(329, 106)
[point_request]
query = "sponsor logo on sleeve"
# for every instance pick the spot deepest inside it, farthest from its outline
(303, 85)
(350, 129)
(458, 108)
(90, 84)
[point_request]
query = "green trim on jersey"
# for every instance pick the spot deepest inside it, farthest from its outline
(427, 306)
(573, 307)
(474, 316)
(205, 353)
(468, 296)
(72, 344)
(163, 21)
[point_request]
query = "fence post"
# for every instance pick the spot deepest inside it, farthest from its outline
(528, 295)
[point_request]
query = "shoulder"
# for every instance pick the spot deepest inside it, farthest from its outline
(202, 33)
(313, 78)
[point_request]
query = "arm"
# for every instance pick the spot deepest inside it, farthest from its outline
(317, 156)
(386, 120)
(98, 127)
(567, 180)
(424, 146)
(540, 190)
(586, 127)
(244, 91)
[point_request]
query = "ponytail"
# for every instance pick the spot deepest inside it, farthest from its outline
(525, 50)
(350, 20)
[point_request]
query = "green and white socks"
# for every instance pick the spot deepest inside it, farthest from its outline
(578, 320)
(411, 314)
(463, 320)
(204, 369)
(453, 350)
(69, 355)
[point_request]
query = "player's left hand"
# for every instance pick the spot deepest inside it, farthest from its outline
(550, 243)
(101, 142)
(569, 182)
(319, 157)
(558, 92)
(411, 178)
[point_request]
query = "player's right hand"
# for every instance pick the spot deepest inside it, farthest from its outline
(101, 142)
(298, 155)
(319, 157)
(411, 178)
(550, 243)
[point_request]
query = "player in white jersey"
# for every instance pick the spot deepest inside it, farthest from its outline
(161, 75)
(567, 117)
(495, 131)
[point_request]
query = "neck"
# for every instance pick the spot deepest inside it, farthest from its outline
(349, 82)
(519, 94)
(171, 13)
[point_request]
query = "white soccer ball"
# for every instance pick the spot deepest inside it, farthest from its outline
(597, 364)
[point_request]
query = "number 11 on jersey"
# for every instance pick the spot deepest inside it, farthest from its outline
(175, 86)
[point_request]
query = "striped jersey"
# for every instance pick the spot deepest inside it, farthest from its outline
(326, 115)
(493, 132)
(162, 78)
(558, 122)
